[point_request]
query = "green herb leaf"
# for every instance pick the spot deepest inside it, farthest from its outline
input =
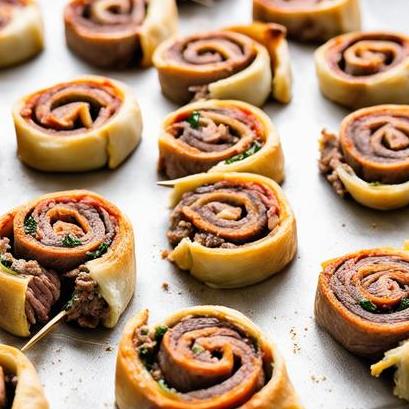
(194, 120)
(162, 383)
(70, 304)
(368, 305)
(30, 225)
(147, 355)
(71, 241)
(160, 332)
(249, 152)
(404, 304)
(144, 331)
(101, 250)
(197, 349)
(6, 263)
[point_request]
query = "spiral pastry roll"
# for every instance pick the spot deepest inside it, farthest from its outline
(310, 20)
(364, 69)
(246, 63)
(399, 358)
(118, 33)
(70, 246)
(370, 158)
(230, 229)
(220, 136)
(20, 386)
(21, 31)
(77, 126)
(205, 357)
(362, 300)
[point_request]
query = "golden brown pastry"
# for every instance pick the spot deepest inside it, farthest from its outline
(365, 68)
(370, 158)
(399, 358)
(21, 31)
(68, 246)
(20, 386)
(246, 63)
(310, 20)
(76, 126)
(206, 357)
(222, 136)
(118, 33)
(230, 229)
(362, 300)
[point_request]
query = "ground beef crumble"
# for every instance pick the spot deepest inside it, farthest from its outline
(87, 307)
(331, 158)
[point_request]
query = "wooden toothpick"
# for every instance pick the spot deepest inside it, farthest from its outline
(45, 330)
(166, 183)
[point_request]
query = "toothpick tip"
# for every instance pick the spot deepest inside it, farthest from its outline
(44, 331)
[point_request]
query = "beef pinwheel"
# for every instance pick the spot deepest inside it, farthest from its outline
(246, 63)
(20, 386)
(205, 357)
(370, 158)
(21, 31)
(230, 229)
(362, 300)
(71, 250)
(363, 69)
(118, 33)
(76, 126)
(310, 20)
(399, 358)
(220, 136)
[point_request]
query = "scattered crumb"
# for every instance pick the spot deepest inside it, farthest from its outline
(293, 333)
(164, 254)
(318, 378)
(165, 286)
(296, 346)
(109, 349)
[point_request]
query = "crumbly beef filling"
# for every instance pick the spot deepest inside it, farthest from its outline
(8, 384)
(87, 307)
(331, 157)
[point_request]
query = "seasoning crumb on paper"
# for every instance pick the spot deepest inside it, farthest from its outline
(165, 286)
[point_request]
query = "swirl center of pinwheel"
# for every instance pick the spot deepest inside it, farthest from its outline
(225, 215)
(375, 288)
(72, 107)
(116, 12)
(371, 56)
(297, 3)
(201, 358)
